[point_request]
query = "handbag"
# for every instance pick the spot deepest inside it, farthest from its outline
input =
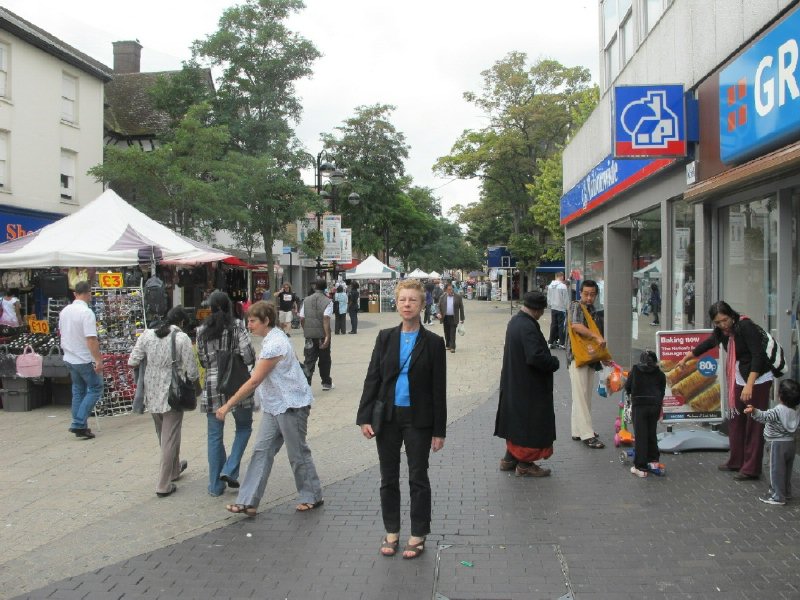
(53, 364)
(232, 373)
(181, 390)
(29, 364)
(8, 363)
(584, 350)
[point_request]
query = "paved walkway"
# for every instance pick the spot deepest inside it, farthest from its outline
(591, 531)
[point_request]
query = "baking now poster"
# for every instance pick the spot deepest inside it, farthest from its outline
(694, 390)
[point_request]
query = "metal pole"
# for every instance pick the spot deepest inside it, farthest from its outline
(319, 215)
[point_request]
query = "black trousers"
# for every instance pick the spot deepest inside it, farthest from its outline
(557, 327)
(450, 325)
(341, 323)
(353, 312)
(392, 436)
(313, 353)
(645, 423)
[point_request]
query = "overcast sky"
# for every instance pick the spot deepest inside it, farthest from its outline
(419, 55)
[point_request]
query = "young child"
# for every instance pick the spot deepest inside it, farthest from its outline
(781, 425)
(646, 385)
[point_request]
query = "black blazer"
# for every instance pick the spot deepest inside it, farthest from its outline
(427, 379)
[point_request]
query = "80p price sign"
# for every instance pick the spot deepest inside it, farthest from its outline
(110, 280)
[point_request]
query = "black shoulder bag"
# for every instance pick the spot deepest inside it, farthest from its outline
(232, 373)
(181, 391)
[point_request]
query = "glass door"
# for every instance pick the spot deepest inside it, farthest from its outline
(794, 350)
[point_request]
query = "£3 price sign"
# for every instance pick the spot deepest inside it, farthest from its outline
(110, 280)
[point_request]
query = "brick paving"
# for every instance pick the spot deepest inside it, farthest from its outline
(591, 531)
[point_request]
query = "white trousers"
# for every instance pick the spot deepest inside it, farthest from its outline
(582, 380)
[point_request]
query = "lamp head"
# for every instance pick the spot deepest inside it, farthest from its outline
(354, 199)
(336, 177)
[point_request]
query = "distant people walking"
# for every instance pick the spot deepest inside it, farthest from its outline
(582, 379)
(655, 303)
(781, 424)
(749, 383)
(646, 385)
(315, 317)
(288, 304)
(353, 306)
(154, 349)
(340, 302)
(218, 332)
(451, 313)
(77, 326)
(404, 403)
(428, 303)
(285, 398)
(558, 301)
(526, 417)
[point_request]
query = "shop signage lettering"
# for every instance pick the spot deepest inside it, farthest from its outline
(649, 120)
(759, 95)
(17, 225)
(110, 280)
(609, 178)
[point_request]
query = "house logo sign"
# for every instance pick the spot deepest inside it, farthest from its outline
(759, 95)
(649, 121)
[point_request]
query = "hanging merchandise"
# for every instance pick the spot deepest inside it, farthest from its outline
(120, 316)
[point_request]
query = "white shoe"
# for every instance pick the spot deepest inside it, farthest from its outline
(638, 473)
(326, 387)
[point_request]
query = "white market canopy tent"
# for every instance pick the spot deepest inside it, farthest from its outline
(434, 275)
(107, 232)
(651, 270)
(370, 268)
(418, 274)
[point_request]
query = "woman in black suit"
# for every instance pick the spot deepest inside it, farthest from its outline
(404, 402)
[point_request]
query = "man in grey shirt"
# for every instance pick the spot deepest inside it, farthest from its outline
(315, 317)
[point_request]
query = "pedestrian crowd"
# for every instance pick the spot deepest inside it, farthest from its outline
(403, 402)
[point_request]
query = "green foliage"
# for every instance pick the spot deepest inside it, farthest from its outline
(177, 93)
(314, 243)
(444, 248)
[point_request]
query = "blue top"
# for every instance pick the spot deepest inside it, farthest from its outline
(402, 394)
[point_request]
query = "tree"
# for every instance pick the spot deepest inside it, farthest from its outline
(372, 153)
(173, 183)
(530, 113)
(261, 59)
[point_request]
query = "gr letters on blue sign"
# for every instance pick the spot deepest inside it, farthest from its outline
(649, 121)
(759, 97)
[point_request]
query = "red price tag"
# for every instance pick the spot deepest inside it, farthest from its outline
(110, 280)
(39, 326)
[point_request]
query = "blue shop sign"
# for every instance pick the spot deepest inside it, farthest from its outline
(609, 178)
(16, 223)
(649, 121)
(759, 97)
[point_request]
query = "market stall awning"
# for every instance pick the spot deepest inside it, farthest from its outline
(434, 275)
(418, 274)
(107, 232)
(371, 268)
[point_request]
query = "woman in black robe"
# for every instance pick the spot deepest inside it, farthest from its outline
(525, 415)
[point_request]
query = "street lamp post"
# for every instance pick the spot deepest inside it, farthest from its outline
(322, 168)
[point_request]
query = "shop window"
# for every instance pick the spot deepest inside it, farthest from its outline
(4, 55)
(4, 161)
(794, 350)
(647, 295)
(586, 262)
(749, 259)
(69, 98)
(653, 9)
(683, 277)
(575, 274)
(67, 177)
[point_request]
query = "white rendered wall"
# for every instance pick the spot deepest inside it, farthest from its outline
(690, 41)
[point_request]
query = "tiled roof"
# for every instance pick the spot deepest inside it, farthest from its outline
(129, 109)
(52, 45)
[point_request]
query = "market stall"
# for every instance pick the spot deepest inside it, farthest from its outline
(110, 244)
(377, 289)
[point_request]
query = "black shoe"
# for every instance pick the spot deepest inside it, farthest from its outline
(745, 477)
(353, 332)
(84, 433)
(725, 467)
(232, 483)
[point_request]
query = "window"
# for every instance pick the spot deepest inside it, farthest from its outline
(68, 163)
(652, 12)
(69, 98)
(619, 36)
(683, 283)
(4, 160)
(4, 48)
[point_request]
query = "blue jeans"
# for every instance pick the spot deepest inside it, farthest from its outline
(218, 463)
(87, 386)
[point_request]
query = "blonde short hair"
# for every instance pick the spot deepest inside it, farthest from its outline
(409, 284)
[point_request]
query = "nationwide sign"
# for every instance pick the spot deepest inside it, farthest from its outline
(609, 178)
(649, 121)
(759, 95)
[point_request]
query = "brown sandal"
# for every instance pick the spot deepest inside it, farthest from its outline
(416, 550)
(307, 506)
(389, 548)
(241, 509)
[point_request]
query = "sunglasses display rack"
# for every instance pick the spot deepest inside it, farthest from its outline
(54, 306)
(120, 320)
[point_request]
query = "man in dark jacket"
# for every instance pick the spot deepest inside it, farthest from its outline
(315, 317)
(451, 313)
(525, 415)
